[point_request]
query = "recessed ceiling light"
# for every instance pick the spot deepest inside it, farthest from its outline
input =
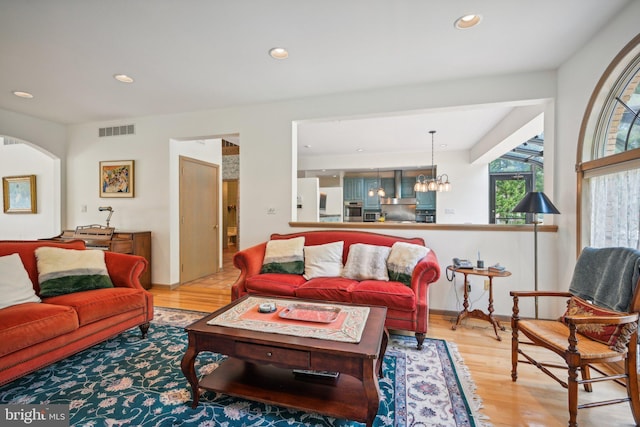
(22, 94)
(307, 146)
(278, 53)
(123, 78)
(467, 21)
(443, 145)
(359, 150)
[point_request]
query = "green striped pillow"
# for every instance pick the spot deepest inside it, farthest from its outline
(284, 256)
(63, 271)
(403, 259)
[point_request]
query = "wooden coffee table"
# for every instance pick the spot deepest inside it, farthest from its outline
(260, 366)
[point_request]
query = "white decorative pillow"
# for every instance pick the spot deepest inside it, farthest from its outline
(403, 259)
(15, 285)
(323, 260)
(284, 256)
(63, 271)
(366, 262)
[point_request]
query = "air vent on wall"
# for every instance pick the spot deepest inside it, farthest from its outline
(117, 130)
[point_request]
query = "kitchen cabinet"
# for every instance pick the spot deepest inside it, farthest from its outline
(426, 200)
(389, 187)
(353, 189)
(371, 202)
(407, 187)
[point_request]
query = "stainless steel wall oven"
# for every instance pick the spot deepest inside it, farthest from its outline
(353, 211)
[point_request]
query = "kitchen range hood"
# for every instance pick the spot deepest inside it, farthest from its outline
(396, 198)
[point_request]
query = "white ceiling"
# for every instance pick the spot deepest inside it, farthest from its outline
(456, 129)
(194, 55)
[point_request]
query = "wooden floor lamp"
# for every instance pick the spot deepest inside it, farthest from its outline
(536, 202)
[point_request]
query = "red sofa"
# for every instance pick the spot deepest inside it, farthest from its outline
(407, 306)
(34, 335)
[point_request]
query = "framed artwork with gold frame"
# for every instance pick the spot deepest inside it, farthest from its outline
(116, 178)
(19, 194)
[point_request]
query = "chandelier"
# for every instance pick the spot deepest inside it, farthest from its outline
(379, 191)
(433, 183)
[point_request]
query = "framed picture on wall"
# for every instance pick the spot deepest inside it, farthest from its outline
(116, 178)
(19, 194)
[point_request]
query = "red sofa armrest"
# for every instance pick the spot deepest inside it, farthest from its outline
(125, 269)
(249, 262)
(426, 271)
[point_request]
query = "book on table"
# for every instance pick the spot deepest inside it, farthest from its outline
(497, 268)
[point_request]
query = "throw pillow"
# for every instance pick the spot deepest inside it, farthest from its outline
(284, 256)
(615, 336)
(15, 285)
(323, 260)
(367, 262)
(63, 271)
(403, 259)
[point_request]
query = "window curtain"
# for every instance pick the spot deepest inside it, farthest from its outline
(615, 209)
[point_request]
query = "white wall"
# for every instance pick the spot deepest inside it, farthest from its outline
(49, 136)
(50, 139)
(23, 159)
(335, 201)
(468, 200)
(308, 195)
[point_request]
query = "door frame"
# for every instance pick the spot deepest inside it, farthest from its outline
(495, 177)
(215, 188)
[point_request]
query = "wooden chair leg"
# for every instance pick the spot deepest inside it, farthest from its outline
(573, 396)
(586, 375)
(514, 351)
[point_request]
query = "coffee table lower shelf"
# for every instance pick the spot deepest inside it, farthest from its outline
(342, 398)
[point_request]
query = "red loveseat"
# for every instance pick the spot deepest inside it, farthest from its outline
(36, 334)
(407, 306)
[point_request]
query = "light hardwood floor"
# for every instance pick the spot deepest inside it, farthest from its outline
(534, 400)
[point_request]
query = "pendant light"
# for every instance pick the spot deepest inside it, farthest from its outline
(379, 191)
(434, 183)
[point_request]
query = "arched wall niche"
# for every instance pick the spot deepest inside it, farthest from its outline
(21, 158)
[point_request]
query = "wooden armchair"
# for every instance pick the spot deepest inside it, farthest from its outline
(588, 333)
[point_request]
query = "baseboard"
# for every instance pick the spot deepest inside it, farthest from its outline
(166, 286)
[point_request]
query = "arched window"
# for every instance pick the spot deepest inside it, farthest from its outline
(608, 162)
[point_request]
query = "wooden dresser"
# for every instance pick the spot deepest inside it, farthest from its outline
(124, 242)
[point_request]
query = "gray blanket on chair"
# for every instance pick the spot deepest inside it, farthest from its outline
(606, 276)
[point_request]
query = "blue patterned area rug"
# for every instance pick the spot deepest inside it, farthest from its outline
(128, 381)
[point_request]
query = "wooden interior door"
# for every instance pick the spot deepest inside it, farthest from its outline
(199, 222)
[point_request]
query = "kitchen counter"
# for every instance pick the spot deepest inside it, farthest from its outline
(422, 226)
(330, 218)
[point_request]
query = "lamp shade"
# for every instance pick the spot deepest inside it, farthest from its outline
(536, 202)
